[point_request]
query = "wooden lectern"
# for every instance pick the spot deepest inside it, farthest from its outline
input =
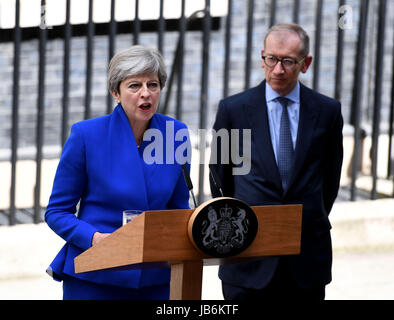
(156, 237)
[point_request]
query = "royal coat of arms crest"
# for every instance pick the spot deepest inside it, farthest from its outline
(225, 228)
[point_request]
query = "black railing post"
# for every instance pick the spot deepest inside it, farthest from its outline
(15, 113)
(40, 118)
(249, 43)
(227, 49)
(272, 13)
(181, 44)
(296, 11)
(66, 74)
(391, 119)
(89, 63)
(204, 96)
(174, 69)
(161, 27)
(111, 49)
(316, 58)
(137, 24)
(378, 93)
(339, 57)
(356, 97)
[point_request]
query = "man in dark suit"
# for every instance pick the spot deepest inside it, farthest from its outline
(296, 158)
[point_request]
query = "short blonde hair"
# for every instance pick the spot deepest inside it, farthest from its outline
(133, 61)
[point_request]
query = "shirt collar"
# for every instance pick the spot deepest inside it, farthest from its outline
(271, 94)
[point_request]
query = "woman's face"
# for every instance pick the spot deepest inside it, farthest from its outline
(139, 96)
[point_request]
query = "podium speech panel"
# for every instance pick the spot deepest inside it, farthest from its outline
(165, 238)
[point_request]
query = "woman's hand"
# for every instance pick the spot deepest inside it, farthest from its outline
(98, 236)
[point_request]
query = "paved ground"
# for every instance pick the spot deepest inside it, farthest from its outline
(356, 276)
(363, 239)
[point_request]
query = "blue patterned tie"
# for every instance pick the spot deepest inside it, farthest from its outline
(285, 152)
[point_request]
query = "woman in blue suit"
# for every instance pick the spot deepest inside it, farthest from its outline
(108, 165)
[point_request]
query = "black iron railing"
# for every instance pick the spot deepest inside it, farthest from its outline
(203, 22)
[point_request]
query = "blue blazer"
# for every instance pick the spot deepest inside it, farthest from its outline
(314, 182)
(102, 169)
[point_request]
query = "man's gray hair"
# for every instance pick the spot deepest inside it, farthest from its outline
(294, 28)
(136, 60)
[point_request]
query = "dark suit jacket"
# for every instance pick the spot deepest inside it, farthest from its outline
(314, 182)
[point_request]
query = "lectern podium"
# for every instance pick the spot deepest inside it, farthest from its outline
(157, 238)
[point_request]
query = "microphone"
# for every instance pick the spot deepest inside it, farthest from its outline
(215, 179)
(189, 183)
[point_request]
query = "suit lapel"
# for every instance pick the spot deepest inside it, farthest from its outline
(256, 111)
(126, 165)
(309, 111)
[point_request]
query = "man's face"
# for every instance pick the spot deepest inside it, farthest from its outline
(284, 44)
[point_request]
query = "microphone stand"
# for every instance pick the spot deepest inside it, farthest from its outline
(189, 183)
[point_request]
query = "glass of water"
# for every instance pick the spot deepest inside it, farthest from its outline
(130, 214)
